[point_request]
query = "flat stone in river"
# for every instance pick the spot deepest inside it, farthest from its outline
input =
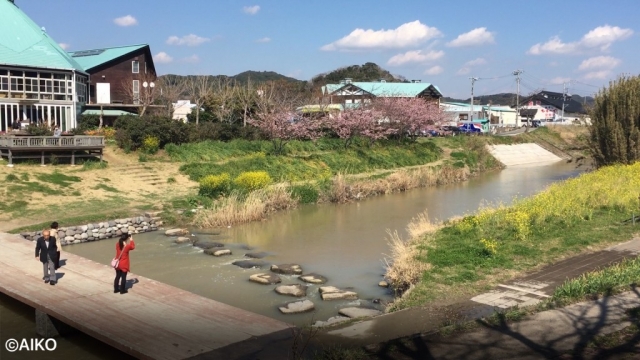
(287, 269)
(357, 312)
(208, 244)
(297, 307)
(176, 232)
(217, 252)
(256, 254)
(266, 279)
(331, 321)
(313, 278)
(182, 239)
(296, 290)
(333, 293)
(248, 264)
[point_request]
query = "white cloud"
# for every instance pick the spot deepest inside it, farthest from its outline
(415, 56)
(599, 62)
(475, 37)
(599, 38)
(251, 10)
(189, 40)
(476, 62)
(435, 70)
(601, 75)
(64, 46)
(192, 59)
(127, 20)
(408, 34)
(264, 40)
(559, 80)
(162, 58)
(464, 71)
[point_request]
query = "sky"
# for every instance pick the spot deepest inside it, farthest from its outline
(583, 44)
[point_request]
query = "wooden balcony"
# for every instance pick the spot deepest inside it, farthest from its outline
(34, 147)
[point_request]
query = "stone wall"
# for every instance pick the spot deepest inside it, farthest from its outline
(102, 230)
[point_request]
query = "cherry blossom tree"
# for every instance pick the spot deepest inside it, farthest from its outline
(410, 116)
(281, 126)
(361, 121)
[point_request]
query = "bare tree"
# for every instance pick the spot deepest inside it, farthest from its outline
(199, 88)
(135, 91)
(222, 99)
(247, 96)
(171, 88)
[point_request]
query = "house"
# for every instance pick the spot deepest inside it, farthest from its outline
(181, 109)
(348, 92)
(460, 111)
(550, 105)
(121, 78)
(495, 114)
(39, 81)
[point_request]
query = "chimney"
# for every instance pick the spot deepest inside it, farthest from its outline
(415, 81)
(348, 80)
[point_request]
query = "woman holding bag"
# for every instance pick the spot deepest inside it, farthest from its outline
(121, 262)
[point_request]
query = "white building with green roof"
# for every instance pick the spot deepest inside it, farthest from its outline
(348, 93)
(39, 81)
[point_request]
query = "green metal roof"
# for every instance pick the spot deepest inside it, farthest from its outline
(24, 43)
(89, 59)
(107, 112)
(386, 89)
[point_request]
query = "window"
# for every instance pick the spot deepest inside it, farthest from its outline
(136, 91)
(145, 67)
(135, 67)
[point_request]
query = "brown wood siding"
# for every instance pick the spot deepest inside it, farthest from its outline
(116, 73)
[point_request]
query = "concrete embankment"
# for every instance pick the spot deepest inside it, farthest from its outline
(523, 154)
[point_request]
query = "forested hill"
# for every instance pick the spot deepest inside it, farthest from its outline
(367, 72)
(508, 99)
(243, 77)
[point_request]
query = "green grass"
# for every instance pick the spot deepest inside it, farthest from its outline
(28, 187)
(106, 187)
(13, 206)
(75, 220)
(11, 178)
(93, 165)
(58, 178)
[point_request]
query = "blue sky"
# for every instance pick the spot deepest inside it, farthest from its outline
(443, 42)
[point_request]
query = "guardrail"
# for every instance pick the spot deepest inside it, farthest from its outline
(36, 142)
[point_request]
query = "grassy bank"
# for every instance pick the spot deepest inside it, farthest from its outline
(468, 255)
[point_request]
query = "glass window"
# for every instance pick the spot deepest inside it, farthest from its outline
(135, 67)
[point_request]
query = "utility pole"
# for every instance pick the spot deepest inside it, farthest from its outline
(517, 74)
(473, 80)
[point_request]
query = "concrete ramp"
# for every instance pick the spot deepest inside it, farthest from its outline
(523, 154)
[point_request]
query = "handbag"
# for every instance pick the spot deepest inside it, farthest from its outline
(116, 261)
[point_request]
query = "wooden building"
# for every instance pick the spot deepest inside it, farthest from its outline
(349, 93)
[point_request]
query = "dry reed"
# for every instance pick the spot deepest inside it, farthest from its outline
(421, 225)
(236, 209)
(405, 268)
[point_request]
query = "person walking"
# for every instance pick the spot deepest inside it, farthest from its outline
(46, 252)
(123, 246)
(54, 234)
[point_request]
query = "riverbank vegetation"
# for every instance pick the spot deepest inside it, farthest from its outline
(470, 254)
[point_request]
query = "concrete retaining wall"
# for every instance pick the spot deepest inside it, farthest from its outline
(102, 230)
(523, 154)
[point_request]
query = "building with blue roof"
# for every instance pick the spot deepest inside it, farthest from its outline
(39, 81)
(349, 93)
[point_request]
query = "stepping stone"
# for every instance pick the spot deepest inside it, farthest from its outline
(217, 252)
(333, 293)
(265, 279)
(383, 284)
(287, 269)
(248, 264)
(176, 232)
(182, 240)
(256, 255)
(207, 232)
(356, 312)
(331, 321)
(207, 244)
(297, 307)
(296, 290)
(313, 278)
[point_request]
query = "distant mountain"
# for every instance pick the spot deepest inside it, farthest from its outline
(367, 72)
(508, 99)
(243, 77)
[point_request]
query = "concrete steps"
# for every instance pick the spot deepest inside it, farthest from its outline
(523, 154)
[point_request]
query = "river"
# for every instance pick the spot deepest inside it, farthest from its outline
(345, 243)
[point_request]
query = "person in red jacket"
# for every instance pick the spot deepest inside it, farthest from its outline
(123, 246)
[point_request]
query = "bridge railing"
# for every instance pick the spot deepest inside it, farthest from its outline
(51, 141)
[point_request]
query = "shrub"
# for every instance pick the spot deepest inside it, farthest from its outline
(107, 132)
(252, 180)
(215, 185)
(306, 193)
(131, 131)
(39, 130)
(150, 144)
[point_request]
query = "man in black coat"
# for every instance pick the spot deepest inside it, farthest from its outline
(46, 251)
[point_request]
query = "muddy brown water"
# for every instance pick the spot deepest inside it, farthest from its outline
(345, 243)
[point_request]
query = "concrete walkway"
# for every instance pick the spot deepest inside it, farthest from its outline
(522, 154)
(524, 291)
(545, 335)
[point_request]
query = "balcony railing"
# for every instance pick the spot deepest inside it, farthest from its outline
(36, 142)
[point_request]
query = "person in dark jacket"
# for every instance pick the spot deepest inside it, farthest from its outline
(123, 246)
(46, 251)
(54, 233)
